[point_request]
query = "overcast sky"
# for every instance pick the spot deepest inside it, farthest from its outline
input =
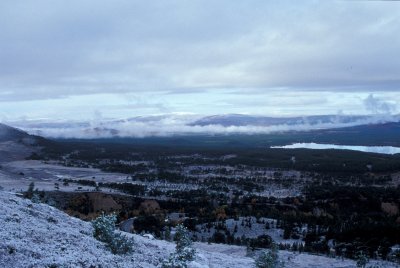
(84, 59)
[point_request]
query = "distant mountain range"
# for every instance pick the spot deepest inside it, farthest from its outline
(245, 120)
(170, 125)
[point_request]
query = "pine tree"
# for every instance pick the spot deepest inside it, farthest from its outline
(184, 251)
(184, 244)
(29, 192)
(167, 233)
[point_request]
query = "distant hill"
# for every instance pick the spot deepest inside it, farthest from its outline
(370, 134)
(8, 133)
(16, 144)
(250, 120)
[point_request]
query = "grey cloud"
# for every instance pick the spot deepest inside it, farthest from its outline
(379, 106)
(53, 50)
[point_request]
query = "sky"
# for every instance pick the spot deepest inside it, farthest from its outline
(82, 60)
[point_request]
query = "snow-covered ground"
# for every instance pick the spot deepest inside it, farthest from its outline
(17, 175)
(247, 227)
(37, 235)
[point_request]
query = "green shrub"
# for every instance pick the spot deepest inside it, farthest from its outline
(104, 231)
(35, 198)
(269, 259)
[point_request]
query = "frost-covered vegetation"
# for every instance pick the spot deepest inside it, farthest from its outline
(104, 231)
(37, 235)
(269, 259)
(184, 251)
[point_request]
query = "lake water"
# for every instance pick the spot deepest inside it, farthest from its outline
(368, 149)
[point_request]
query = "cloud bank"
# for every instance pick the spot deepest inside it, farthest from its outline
(172, 125)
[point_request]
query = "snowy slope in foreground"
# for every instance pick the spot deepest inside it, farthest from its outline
(36, 235)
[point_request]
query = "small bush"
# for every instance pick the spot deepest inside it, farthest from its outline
(104, 231)
(51, 202)
(174, 262)
(52, 220)
(269, 259)
(361, 260)
(11, 250)
(394, 256)
(36, 198)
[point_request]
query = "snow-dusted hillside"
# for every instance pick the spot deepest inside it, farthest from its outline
(37, 235)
